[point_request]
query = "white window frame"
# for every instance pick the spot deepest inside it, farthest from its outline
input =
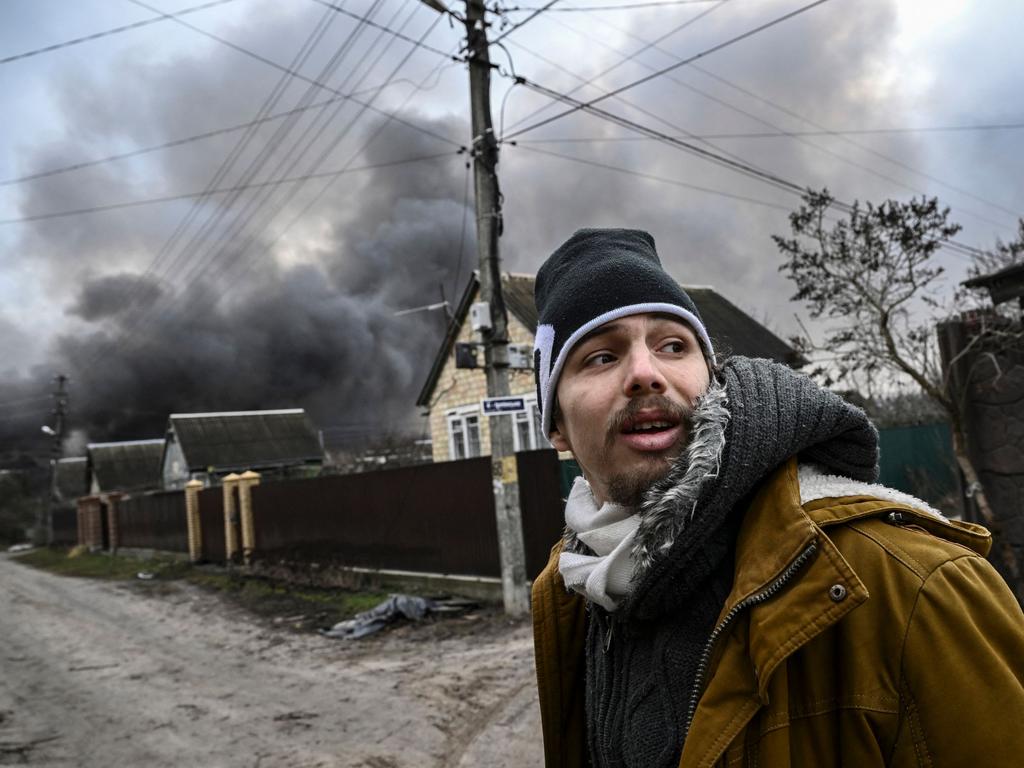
(532, 419)
(460, 415)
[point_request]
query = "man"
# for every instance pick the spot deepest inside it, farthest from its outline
(731, 588)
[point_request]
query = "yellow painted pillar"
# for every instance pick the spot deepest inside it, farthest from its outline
(245, 483)
(195, 531)
(230, 483)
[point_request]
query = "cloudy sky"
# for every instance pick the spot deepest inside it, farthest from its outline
(155, 297)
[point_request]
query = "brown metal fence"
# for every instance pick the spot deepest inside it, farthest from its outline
(434, 518)
(153, 521)
(211, 523)
(540, 499)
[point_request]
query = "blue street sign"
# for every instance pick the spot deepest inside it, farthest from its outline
(495, 405)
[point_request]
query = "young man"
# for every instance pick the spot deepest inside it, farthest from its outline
(731, 588)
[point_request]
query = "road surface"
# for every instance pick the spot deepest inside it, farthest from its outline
(164, 674)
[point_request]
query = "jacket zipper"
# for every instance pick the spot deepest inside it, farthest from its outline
(758, 597)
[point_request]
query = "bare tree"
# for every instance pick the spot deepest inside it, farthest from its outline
(873, 275)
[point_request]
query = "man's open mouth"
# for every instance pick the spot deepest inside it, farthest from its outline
(645, 424)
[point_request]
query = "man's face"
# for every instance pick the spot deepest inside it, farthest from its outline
(626, 394)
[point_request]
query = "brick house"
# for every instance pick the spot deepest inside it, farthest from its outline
(451, 396)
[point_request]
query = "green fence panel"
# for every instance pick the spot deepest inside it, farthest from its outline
(920, 461)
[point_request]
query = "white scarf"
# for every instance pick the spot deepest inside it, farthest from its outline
(609, 531)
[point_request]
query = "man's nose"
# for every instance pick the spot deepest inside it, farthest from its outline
(643, 375)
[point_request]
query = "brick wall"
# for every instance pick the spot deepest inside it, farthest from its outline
(468, 386)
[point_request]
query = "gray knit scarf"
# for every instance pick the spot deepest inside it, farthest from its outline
(641, 659)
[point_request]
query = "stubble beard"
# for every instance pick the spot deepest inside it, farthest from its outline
(628, 487)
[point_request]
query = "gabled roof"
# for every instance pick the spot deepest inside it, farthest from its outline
(732, 331)
(133, 465)
(518, 293)
(238, 440)
(72, 478)
(1004, 285)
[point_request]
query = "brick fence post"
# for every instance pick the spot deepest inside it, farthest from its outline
(245, 483)
(195, 531)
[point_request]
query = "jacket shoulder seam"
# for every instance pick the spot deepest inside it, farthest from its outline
(903, 555)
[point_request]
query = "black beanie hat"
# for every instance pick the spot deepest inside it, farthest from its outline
(596, 276)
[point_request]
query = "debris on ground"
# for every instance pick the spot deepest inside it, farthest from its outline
(394, 608)
(19, 548)
(145, 575)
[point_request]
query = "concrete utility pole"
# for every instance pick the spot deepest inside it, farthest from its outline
(43, 533)
(488, 229)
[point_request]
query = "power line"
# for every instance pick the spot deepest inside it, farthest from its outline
(114, 31)
(221, 190)
(536, 12)
(788, 134)
(196, 137)
(652, 177)
(198, 269)
(768, 123)
(608, 70)
(623, 7)
(734, 165)
(399, 35)
(304, 78)
(672, 67)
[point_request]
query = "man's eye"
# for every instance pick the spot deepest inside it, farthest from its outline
(675, 347)
(601, 358)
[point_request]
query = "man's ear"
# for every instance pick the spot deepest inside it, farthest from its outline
(558, 439)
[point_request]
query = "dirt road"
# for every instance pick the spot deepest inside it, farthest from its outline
(107, 674)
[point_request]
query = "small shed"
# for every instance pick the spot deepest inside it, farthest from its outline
(207, 446)
(130, 465)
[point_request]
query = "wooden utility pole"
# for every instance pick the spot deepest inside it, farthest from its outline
(43, 533)
(488, 230)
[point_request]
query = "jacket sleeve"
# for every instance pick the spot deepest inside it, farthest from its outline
(962, 687)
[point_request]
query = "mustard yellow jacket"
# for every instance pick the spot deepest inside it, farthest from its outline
(859, 632)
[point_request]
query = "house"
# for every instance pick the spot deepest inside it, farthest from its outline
(207, 446)
(132, 465)
(451, 396)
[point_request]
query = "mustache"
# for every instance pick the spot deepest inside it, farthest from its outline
(680, 412)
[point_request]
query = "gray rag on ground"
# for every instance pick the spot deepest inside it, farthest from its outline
(378, 617)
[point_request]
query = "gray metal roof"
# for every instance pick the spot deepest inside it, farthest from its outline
(72, 478)
(239, 440)
(133, 465)
(732, 331)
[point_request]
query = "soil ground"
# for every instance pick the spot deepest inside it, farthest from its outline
(166, 672)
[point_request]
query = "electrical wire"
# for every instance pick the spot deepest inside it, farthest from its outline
(220, 190)
(652, 177)
(300, 76)
(241, 250)
(622, 7)
(399, 35)
(740, 167)
(785, 134)
(793, 114)
(536, 12)
(608, 70)
(198, 136)
(861, 166)
(114, 31)
(665, 70)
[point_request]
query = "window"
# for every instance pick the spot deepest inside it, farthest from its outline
(463, 433)
(528, 434)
